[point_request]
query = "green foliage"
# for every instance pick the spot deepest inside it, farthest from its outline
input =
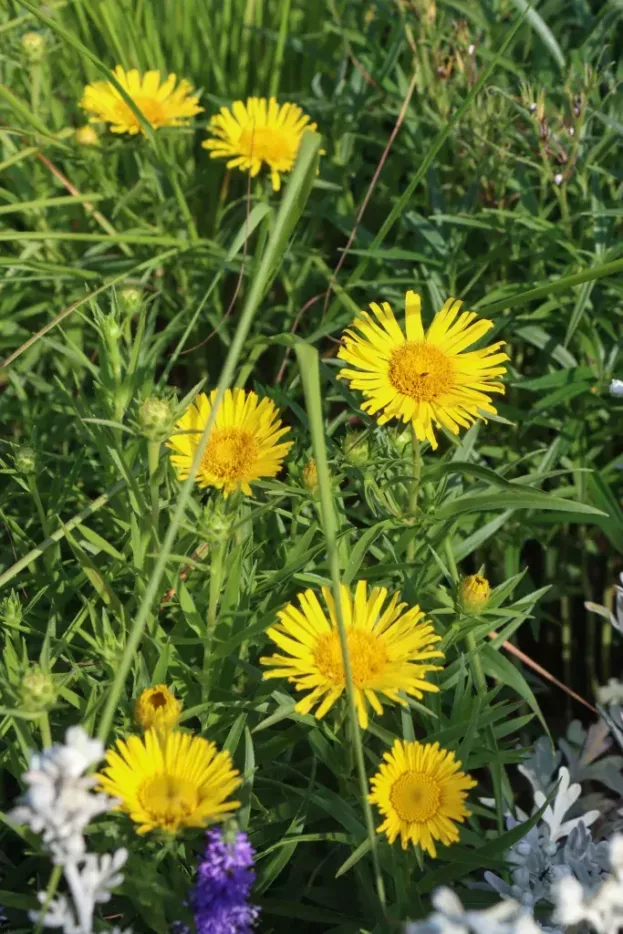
(139, 271)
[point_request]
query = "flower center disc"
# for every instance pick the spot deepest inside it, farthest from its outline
(158, 700)
(149, 107)
(230, 453)
(421, 371)
(415, 797)
(268, 144)
(367, 657)
(168, 799)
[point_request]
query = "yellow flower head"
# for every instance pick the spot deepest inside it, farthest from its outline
(243, 442)
(161, 104)
(169, 781)
(424, 378)
(260, 131)
(420, 791)
(157, 707)
(390, 650)
(86, 136)
(474, 593)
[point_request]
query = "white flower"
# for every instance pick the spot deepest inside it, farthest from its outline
(558, 177)
(616, 387)
(450, 917)
(566, 796)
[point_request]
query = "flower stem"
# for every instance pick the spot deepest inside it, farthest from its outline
(44, 727)
(481, 686)
(153, 455)
(414, 490)
(217, 566)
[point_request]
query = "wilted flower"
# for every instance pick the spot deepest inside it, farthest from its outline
(38, 690)
(25, 460)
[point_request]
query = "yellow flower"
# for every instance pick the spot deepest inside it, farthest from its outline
(390, 650)
(474, 593)
(157, 707)
(423, 378)
(243, 441)
(256, 132)
(86, 136)
(160, 104)
(171, 781)
(420, 791)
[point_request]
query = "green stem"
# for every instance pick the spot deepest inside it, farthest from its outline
(50, 892)
(414, 491)
(481, 686)
(34, 490)
(281, 42)
(44, 727)
(153, 457)
(309, 369)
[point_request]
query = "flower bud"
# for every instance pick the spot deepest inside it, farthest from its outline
(86, 136)
(37, 690)
(33, 47)
(402, 441)
(155, 418)
(356, 448)
(217, 523)
(473, 594)
(310, 476)
(11, 610)
(25, 460)
(131, 300)
(157, 708)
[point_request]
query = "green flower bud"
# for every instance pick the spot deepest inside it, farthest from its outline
(310, 476)
(131, 300)
(356, 448)
(111, 328)
(473, 594)
(38, 690)
(33, 47)
(11, 610)
(155, 418)
(402, 441)
(86, 136)
(25, 460)
(217, 523)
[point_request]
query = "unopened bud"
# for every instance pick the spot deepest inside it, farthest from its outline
(25, 460)
(86, 136)
(356, 448)
(33, 46)
(37, 690)
(155, 418)
(11, 610)
(310, 476)
(217, 523)
(111, 328)
(473, 594)
(131, 300)
(157, 708)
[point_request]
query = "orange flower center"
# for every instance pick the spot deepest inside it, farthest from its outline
(168, 800)
(230, 454)
(152, 110)
(421, 371)
(367, 657)
(416, 797)
(268, 144)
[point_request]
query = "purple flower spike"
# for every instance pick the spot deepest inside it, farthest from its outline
(224, 881)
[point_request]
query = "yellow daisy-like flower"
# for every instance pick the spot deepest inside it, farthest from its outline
(256, 132)
(169, 781)
(243, 441)
(161, 104)
(390, 650)
(420, 791)
(157, 708)
(426, 377)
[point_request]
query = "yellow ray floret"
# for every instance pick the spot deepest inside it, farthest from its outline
(258, 132)
(161, 104)
(426, 378)
(390, 650)
(165, 782)
(157, 707)
(420, 791)
(243, 444)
